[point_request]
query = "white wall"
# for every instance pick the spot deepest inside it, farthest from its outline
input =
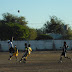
(40, 44)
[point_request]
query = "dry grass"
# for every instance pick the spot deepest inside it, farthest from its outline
(38, 61)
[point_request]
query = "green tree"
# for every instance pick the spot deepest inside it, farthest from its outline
(13, 26)
(43, 37)
(9, 30)
(7, 17)
(32, 34)
(39, 31)
(55, 25)
(16, 27)
(68, 34)
(4, 29)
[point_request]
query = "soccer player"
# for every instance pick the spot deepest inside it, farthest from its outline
(16, 52)
(29, 49)
(11, 49)
(65, 46)
(25, 54)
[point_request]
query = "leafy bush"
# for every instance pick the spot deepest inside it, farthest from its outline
(43, 37)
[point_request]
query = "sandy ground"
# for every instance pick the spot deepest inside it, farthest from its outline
(38, 61)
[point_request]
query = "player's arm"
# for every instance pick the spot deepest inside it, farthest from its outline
(67, 46)
(31, 50)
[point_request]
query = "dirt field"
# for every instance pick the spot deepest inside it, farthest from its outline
(38, 61)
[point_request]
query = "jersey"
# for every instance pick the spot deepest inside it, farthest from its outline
(15, 49)
(10, 44)
(29, 50)
(16, 52)
(65, 48)
(11, 50)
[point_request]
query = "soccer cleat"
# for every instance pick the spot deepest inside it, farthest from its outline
(9, 59)
(71, 59)
(60, 62)
(24, 61)
(20, 61)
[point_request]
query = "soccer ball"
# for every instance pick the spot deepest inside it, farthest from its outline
(18, 11)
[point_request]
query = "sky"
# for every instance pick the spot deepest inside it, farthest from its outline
(38, 12)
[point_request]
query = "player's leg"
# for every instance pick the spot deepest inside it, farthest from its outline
(25, 57)
(21, 59)
(67, 56)
(16, 55)
(10, 56)
(61, 57)
(16, 58)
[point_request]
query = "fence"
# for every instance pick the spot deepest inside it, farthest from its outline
(37, 44)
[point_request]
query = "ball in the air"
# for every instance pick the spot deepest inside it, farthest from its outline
(18, 11)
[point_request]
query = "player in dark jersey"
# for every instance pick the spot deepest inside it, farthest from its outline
(25, 54)
(65, 46)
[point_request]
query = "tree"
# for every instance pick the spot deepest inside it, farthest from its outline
(4, 29)
(32, 34)
(55, 25)
(16, 27)
(39, 31)
(68, 34)
(43, 37)
(9, 30)
(13, 26)
(7, 17)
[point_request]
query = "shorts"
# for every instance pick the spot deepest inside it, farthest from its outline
(63, 54)
(11, 54)
(15, 54)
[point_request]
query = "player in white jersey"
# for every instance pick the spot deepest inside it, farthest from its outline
(11, 49)
(10, 44)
